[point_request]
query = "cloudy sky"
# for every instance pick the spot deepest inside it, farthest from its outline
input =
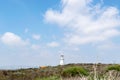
(35, 32)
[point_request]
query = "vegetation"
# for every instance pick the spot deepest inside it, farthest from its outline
(49, 78)
(66, 72)
(113, 67)
(74, 71)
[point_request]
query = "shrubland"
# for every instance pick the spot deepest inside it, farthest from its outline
(66, 72)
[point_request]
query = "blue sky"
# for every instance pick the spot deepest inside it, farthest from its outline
(34, 32)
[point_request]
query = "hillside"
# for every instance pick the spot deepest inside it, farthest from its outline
(52, 71)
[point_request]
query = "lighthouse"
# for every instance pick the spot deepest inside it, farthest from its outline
(61, 59)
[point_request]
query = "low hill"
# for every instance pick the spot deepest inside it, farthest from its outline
(48, 71)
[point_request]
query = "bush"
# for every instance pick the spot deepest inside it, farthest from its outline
(74, 71)
(113, 67)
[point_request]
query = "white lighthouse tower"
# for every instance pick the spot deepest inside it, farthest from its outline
(61, 59)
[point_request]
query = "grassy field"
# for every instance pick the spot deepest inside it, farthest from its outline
(66, 72)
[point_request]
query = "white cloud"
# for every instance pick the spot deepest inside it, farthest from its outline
(12, 39)
(108, 46)
(36, 36)
(86, 23)
(35, 47)
(53, 44)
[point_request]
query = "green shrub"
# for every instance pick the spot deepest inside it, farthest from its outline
(113, 67)
(74, 71)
